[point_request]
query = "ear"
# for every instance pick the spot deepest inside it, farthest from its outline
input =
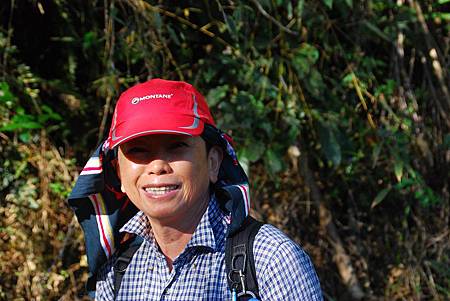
(215, 157)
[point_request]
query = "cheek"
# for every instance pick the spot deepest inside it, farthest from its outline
(128, 174)
(196, 181)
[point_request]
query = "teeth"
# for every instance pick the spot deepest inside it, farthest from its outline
(160, 190)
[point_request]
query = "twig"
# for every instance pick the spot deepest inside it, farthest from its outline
(106, 109)
(363, 101)
(171, 58)
(109, 52)
(443, 113)
(62, 163)
(273, 20)
(434, 53)
(68, 240)
(403, 77)
(8, 38)
(142, 6)
(342, 259)
(3, 136)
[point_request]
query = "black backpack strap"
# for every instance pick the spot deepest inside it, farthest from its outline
(240, 261)
(124, 253)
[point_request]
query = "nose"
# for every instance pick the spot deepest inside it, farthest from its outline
(158, 167)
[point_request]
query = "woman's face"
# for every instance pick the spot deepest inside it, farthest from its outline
(168, 176)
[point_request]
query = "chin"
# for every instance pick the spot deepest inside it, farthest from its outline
(160, 213)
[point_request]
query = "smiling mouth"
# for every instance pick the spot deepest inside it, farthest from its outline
(161, 190)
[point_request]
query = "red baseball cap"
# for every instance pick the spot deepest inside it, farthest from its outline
(158, 106)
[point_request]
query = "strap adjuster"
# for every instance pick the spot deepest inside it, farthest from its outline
(121, 264)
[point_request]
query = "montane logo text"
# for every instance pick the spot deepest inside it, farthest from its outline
(137, 100)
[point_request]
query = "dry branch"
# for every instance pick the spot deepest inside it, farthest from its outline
(273, 20)
(434, 53)
(342, 259)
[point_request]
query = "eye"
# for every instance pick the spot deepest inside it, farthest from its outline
(178, 144)
(135, 150)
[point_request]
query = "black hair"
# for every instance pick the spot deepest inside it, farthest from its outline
(211, 136)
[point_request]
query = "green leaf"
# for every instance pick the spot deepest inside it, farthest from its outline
(173, 35)
(405, 183)
(377, 31)
(5, 93)
(300, 6)
(305, 56)
(446, 142)
(50, 113)
(348, 80)
(216, 95)
(27, 125)
(398, 170)
(157, 21)
(254, 151)
(329, 143)
(328, 3)
(380, 197)
(315, 84)
(265, 3)
(25, 137)
(376, 153)
(273, 161)
(33, 204)
(244, 162)
(89, 39)
(349, 3)
(232, 28)
(443, 16)
(267, 127)
(310, 52)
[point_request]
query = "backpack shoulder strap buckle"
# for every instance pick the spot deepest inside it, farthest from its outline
(240, 262)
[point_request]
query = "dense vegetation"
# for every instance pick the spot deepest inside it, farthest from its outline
(340, 111)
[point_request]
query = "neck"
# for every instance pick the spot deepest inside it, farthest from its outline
(173, 236)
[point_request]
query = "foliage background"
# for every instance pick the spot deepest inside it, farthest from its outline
(340, 111)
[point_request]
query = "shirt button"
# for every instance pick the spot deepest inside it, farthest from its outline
(150, 268)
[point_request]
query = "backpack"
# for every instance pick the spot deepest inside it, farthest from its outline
(239, 261)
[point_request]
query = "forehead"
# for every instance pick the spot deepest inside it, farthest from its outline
(162, 139)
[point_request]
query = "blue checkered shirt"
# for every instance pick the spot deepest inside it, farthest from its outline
(284, 271)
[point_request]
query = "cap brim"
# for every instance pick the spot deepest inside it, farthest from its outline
(152, 125)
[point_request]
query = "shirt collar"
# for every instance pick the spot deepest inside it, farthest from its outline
(139, 225)
(210, 232)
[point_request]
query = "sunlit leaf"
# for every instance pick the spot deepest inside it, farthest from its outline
(5, 93)
(25, 137)
(26, 125)
(300, 7)
(398, 170)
